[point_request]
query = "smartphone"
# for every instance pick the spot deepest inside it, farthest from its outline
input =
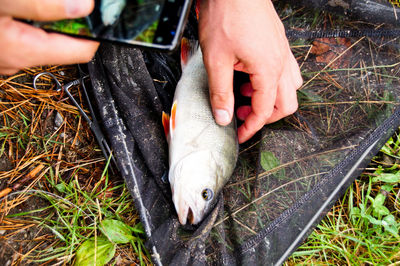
(155, 24)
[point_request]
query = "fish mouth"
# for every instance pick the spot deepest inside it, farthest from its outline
(186, 215)
(190, 216)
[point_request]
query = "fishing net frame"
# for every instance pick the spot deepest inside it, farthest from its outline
(132, 88)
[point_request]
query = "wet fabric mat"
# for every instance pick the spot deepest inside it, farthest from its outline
(288, 176)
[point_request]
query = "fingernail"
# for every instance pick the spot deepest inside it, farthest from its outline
(77, 8)
(222, 117)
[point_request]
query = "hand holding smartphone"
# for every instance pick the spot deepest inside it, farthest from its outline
(154, 24)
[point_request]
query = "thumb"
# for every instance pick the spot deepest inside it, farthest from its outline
(220, 80)
(46, 10)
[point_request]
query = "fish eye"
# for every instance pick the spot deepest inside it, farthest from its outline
(207, 194)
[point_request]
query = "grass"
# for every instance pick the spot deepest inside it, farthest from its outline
(72, 193)
(56, 191)
(363, 227)
(58, 197)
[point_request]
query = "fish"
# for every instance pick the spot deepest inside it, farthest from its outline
(111, 10)
(202, 154)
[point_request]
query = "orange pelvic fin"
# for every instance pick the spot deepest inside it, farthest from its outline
(165, 122)
(173, 116)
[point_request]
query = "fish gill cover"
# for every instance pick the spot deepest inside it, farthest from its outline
(287, 176)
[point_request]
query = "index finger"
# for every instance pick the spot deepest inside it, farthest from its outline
(262, 106)
(46, 9)
(24, 46)
(220, 78)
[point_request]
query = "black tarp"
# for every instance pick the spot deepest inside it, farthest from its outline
(287, 176)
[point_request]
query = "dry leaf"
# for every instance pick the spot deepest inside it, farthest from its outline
(328, 49)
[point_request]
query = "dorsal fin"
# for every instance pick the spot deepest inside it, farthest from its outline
(188, 48)
(198, 9)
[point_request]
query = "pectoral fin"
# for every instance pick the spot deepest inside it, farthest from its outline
(173, 116)
(165, 122)
(169, 121)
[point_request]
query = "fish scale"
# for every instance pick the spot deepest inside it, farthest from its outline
(202, 153)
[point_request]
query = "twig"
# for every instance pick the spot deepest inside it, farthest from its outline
(333, 61)
(263, 196)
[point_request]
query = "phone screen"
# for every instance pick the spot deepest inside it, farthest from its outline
(152, 23)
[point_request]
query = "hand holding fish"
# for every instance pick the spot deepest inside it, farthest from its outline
(22, 45)
(248, 36)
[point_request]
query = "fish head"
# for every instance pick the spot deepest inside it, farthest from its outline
(195, 186)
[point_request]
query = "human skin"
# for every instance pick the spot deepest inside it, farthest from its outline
(248, 36)
(22, 45)
(240, 35)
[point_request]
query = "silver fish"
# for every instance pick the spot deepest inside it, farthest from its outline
(111, 10)
(202, 154)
